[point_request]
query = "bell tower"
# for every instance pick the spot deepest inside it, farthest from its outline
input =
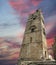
(34, 46)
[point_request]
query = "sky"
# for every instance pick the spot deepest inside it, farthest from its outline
(9, 22)
(13, 18)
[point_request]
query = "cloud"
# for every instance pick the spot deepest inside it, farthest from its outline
(52, 33)
(9, 49)
(24, 8)
(51, 26)
(50, 29)
(50, 42)
(35, 2)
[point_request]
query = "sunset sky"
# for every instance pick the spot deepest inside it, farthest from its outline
(13, 18)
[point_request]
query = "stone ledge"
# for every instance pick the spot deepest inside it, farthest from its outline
(37, 63)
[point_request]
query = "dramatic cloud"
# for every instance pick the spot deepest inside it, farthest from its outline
(9, 49)
(50, 42)
(24, 8)
(52, 33)
(51, 26)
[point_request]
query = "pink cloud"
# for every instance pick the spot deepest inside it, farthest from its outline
(49, 26)
(35, 2)
(24, 7)
(9, 46)
(50, 42)
(20, 6)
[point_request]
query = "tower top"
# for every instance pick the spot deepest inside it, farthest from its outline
(35, 15)
(38, 10)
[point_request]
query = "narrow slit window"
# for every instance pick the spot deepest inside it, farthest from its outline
(30, 39)
(44, 31)
(45, 53)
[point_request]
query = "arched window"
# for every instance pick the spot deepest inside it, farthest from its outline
(33, 27)
(32, 30)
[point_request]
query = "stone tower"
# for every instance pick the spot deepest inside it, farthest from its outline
(34, 46)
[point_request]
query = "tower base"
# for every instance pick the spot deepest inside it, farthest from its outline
(40, 62)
